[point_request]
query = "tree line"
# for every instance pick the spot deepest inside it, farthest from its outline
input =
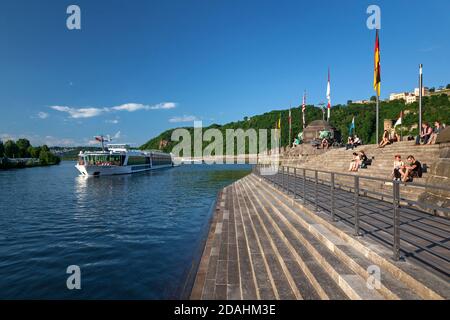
(435, 108)
(22, 149)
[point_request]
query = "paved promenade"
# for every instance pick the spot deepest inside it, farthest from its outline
(263, 245)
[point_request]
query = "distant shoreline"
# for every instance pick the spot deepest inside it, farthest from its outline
(22, 163)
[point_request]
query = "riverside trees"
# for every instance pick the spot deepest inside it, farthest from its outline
(23, 149)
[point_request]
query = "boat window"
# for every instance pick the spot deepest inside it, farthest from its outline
(99, 160)
(137, 160)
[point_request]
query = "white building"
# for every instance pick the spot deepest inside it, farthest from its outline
(398, 96)
(425, 91)
(411, 98)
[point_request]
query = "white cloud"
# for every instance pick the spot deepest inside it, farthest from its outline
(81, 112)
(89, 112)
(183, 119)
(43, 115)
(131, 107)
(114, 121)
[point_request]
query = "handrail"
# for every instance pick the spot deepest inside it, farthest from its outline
(286, 175)
(413, 184)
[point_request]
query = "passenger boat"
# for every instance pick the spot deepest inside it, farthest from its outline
(121, 159)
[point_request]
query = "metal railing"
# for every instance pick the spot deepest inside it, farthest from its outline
(291, 179)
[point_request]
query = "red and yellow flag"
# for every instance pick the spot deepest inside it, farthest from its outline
(376, 73)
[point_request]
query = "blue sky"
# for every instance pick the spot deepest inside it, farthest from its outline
(139, 67)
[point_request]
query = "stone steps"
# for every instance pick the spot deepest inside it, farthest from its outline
(400, 280)
(352, 283)
(336, 254)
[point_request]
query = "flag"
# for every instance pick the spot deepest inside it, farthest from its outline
(376, 73)
(304, 109)
(399, 120)
(328, 95)
(99, 138)
(290, 119)
(352, 126)
(304, 102)
(279, 122)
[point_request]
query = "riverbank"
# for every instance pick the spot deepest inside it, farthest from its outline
(7, 163)
(265, 243)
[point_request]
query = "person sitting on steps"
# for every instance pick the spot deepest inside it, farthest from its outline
(354, 164)
(350, 143)
(411, 170)
(386, 139)
(425, 134)
(364, 161)
(398, 165)
(357, 141)
(325, 144)
(437, 129)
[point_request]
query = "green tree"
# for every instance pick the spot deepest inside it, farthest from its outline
(2, 149)
(23, 145)
(373, 98)
(34, 151)
(11, 149)
(448, 86)
(432, 89)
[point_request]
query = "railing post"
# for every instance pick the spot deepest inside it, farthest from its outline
(304, 186)
(287, 181)
(396, 208)
(357, 233)
(295, 183)
(316, 192)
(332, 197)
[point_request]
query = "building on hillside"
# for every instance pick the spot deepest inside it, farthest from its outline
(425, 91)
(411, 98)
(398, 96)
(361, 101)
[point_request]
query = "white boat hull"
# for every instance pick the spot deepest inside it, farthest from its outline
(92, 170)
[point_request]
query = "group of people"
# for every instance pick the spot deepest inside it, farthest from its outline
(359, 161)
(353, 142)
(406, 172)
(388, 138)
(428, 135)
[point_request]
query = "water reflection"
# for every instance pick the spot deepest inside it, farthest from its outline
(133, 236)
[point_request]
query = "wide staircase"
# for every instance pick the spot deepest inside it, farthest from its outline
(338, 160)
(264, 244)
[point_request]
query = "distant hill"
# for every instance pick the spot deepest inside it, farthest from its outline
(436, 107)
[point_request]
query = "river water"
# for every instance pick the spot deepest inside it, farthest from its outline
(133, 236)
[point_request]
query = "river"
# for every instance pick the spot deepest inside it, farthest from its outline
(133, 236)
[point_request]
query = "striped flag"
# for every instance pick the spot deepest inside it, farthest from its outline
(304, 102)
(304, 109)
(376, 72)
(328, 96)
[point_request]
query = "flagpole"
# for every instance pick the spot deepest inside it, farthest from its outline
(420, 96)
(290, 126)
(378, 116)
(304, 109)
